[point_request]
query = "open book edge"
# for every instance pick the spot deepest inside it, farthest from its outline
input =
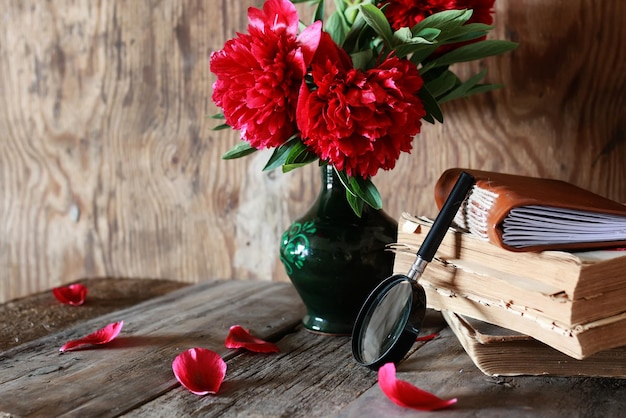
(576, 273)
(498, 351)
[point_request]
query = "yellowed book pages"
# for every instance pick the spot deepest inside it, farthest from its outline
(498, 351)
(526, 292)
(578, 342)
(571, 288)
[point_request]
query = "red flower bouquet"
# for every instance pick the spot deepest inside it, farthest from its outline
(351, 91)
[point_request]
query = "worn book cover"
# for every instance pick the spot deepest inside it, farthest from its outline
(523, 213)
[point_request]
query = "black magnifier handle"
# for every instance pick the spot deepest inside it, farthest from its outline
(392, 315)
(442, 222)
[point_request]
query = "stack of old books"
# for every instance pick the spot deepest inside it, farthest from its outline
(515, 285)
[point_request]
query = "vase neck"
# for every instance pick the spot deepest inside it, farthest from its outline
(332, 197)
(331, 181)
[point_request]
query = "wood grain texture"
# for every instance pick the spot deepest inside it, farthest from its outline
(315, 376)
(136, 366)
(442, 367)
(40, 314)
(109, 166)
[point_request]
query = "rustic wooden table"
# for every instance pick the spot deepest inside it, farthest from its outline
(314, 375)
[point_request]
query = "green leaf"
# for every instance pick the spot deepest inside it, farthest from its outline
(364, 189)
(414, 48)
(430, 105)
(483, 88)
(471, 52)
(367, 191)
(362, 59)
(407, 43)
(289, 167)
(221, 127)
(465, 33)
(291, 155)
(420, 54)
(319, 11)
(403, 35)
(350, 12)
(355, 203)
(442, 84)
(428, 33)
(377, 20)
(352, 37)
(240, 150)
(462, 89)
(298, 156)
(479, 88)
(337, 28)
(279, 156)
(445, 21)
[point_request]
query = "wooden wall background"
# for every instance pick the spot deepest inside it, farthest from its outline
(109, 166)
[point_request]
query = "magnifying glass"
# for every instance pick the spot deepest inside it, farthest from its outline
(391, 317)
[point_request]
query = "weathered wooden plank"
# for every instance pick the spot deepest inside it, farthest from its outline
(314, 375)
(136, 367)
(29, 318)
(442, 367)
(109, 166)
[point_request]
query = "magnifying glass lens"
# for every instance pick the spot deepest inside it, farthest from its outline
(389, 322)
(385, 321)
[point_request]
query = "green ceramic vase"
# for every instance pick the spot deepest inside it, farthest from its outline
(335, 259)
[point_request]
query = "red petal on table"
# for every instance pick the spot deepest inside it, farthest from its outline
(102, 336)
(427, 337)
(199, 370)
(74, 294)
(238, 337)
(405, 394)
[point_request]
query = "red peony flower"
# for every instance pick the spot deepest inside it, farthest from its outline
(302, 95)
(259, 74)
(360, 121)
(408, 13)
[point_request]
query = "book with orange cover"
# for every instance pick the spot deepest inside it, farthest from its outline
(523, 213)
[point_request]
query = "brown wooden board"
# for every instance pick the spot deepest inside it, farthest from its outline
(442, 367)
(35, 316)
(314, 376)
(37, 380)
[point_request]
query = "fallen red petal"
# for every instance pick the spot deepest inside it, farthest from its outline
(405, 394)
(199, 370)
(102, 336)
(74, 294)
(427, 337)
(238, 337)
